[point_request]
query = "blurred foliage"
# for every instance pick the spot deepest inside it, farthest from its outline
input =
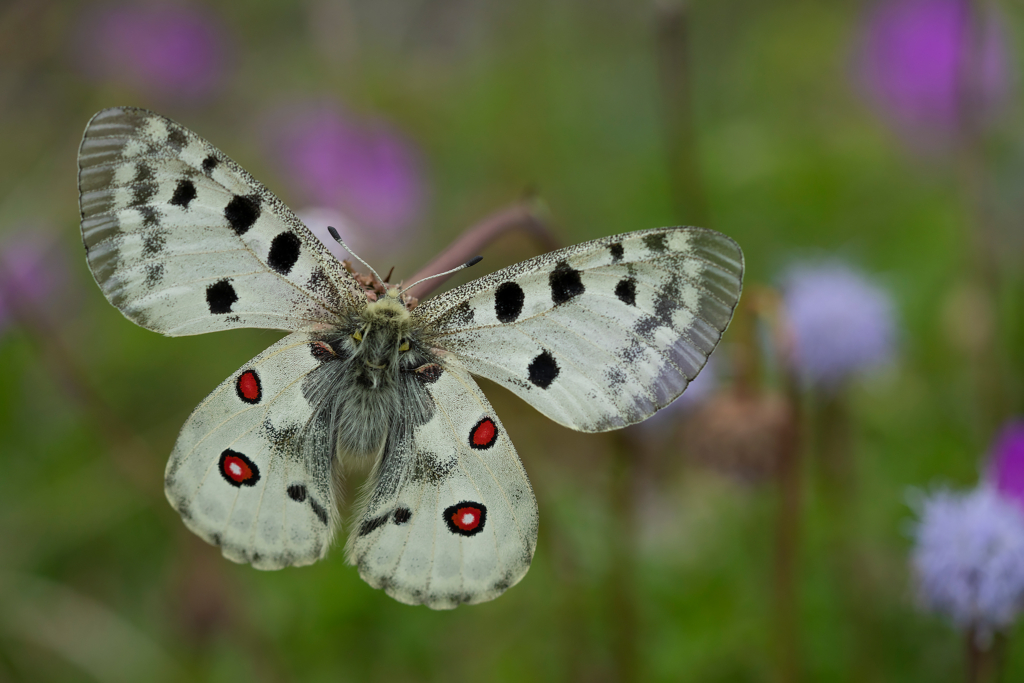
(99, 580)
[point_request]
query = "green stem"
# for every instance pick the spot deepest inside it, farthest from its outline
(673, 52)
(623, 560)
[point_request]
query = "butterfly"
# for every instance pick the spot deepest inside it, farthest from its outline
(596, 336)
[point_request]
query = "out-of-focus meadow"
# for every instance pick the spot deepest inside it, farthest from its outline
(869, 159)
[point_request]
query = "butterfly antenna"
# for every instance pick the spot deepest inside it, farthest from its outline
(471, 262)
(337, 237)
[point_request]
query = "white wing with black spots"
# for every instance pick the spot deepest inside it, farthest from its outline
(450, 517)
(599, 335)
(252, 469)
(183, 241)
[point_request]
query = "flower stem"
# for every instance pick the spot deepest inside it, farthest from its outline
(984, 661)
(623, 561)
(787, 544)
(518, 216)
(673, 51)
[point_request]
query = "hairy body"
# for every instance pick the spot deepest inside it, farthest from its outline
(370, 389)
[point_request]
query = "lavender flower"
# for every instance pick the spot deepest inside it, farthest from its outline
(164, 51)
(841, 322)
(969, 559)
(1007, 466)
(364, 168)
(920, 59)
(32, 271)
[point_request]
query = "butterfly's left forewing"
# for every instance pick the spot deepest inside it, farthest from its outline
(449, 516)
(599, 335)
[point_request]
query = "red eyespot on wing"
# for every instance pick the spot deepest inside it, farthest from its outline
(248, 387)
(466, 518)
(484, 434)
(237, 469)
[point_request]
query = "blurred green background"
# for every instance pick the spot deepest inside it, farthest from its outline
(651, 564)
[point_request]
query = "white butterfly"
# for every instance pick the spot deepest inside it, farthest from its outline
(596, 336)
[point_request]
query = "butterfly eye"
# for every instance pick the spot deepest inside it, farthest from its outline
(358, 336)
(404, 346)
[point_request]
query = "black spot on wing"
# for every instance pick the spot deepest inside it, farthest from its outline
(242, 212)
(616, 251)
(143, 193)
(143, 174)
(461, 316)
(210, 163)
(280, 438)
(284, 252)
(657, 243)
(646, 326)
(297, 492)
(143, 185)
(508, 301)
(154, 242)
(566, 282)
(320, 284)
(615, 376)
(667, 302)
(318, 510)
(221, 296)
(184, 193)
(150, 215)
(177, 139)
(402, 515)
(154, 274)
(625, 290)
(370, 525)
(432, 469)
(543, 370)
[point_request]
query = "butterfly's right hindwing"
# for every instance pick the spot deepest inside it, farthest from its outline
(183, 241)
(250, 473)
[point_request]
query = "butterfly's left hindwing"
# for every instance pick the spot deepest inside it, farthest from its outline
(250, 473)
(450, 517)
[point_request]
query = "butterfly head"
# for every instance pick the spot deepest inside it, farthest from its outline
(383, 340)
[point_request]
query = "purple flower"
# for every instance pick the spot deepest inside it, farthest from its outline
(920, 59)
(841, 322)
(969, 558)
(1007, 466)
(364, 168)
(33, 271)
(165, 51)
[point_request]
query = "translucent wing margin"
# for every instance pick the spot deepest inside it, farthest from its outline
(599, 335)
(183, 240)
(250, 472)
(449, 516)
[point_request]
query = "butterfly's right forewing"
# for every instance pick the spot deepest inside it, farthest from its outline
(183, 241)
